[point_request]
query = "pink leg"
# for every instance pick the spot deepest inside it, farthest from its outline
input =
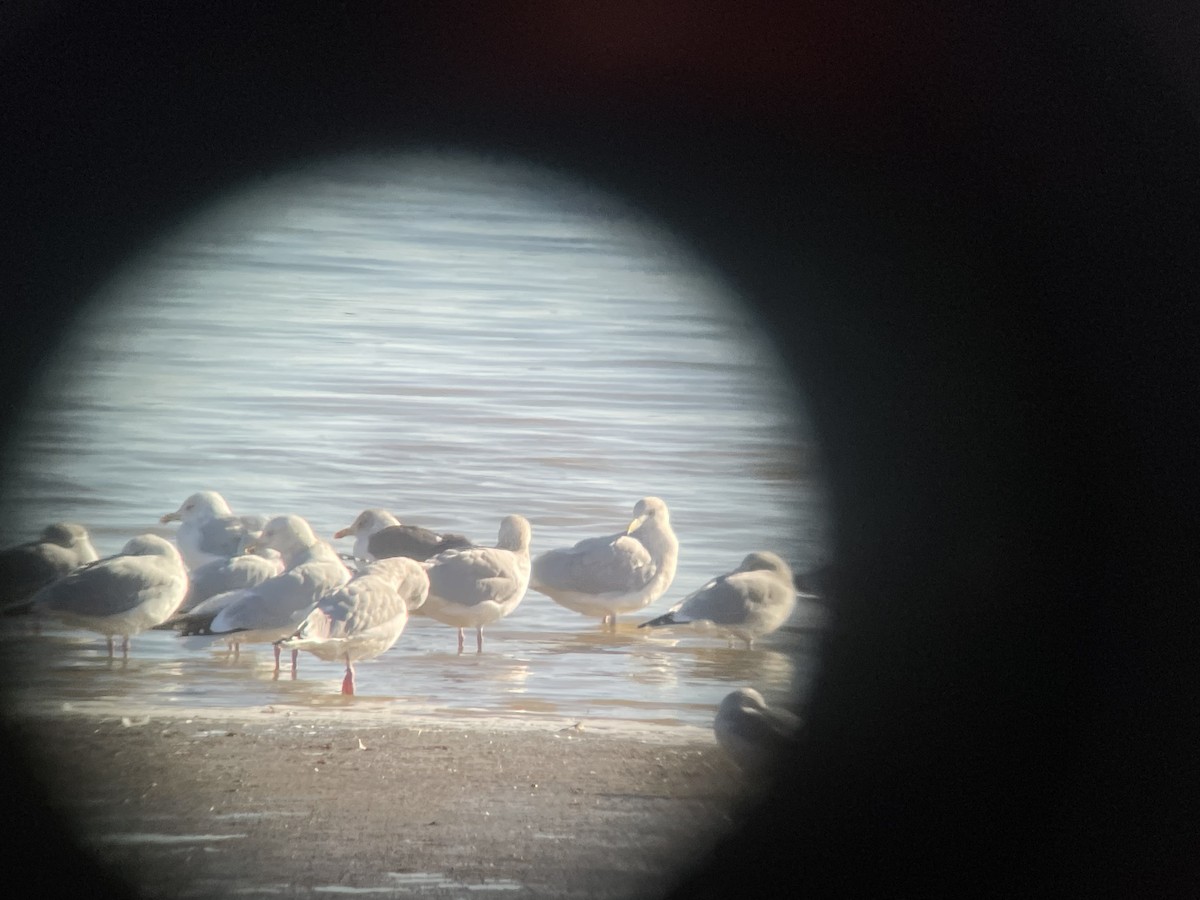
(460, 640)
(348, 681)
(479, 639)
(277, 660)
(295, 660)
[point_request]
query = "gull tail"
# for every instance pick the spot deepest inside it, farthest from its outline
(665, 619)
(313, 630)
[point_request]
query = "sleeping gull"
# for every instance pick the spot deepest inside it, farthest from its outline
(753, 734)
(122, 594)
(379, 535)
(605, 576)
(246, 570)
(273, 609)
(209, 529)
(25, 568)
(364, 617)
(752, 600)
(474, 587)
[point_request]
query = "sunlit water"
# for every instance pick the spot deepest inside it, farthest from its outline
(454, 344)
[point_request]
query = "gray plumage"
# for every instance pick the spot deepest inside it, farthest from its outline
(380, 535)
(122, 594)
(25, 568)
(752, 600)
(479, 585)
(753, 734)
(364, 617)
(209, 530)
(618, 573)
(274, 608)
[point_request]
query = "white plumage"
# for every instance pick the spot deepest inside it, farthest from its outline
(209, 530)
(619, 573)
(477, 586)
(274, 609)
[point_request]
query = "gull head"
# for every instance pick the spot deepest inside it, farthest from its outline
(646, 509)
(369, 521)
(742, 700)
(65, 534)
(151, 545)
(201, 506)
(287, 534)
(515, 534)
(765, 561)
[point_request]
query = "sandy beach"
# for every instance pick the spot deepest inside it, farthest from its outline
(284, 804)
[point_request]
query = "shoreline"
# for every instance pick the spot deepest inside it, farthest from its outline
(305, 803)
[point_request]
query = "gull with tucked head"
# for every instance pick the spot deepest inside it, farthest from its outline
(623, 572)
(752, 600)
(752, 733)
(273, 609)
(27, 567)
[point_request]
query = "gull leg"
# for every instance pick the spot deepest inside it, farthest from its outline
(460, 640)
(479, 639)
(749, 643)
(237, 651)
(348, 681)
(295, 661)
(108, 641)
(124, 646)
(276, 660)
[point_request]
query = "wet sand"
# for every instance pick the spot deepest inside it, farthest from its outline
(290, 805)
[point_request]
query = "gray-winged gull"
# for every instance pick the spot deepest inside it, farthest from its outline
(606, 576)
(209, 530)
(221, 576)
(363, 618)
(752, 733)
(122, 594)
(380, 535)
(25, 568)
(475, 587)
(752, 600)
(274, 609)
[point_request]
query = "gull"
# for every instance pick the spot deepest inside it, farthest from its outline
(222, 576)
(379, 535)
(474, 587)
(364, 617)
(209, 529)
(273, 609)
(606, 576)
(753, 734)
(123, 594)
(27, 567)
(752, 600)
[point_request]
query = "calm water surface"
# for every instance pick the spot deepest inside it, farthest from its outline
(454, 342)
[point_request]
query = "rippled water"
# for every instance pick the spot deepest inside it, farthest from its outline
(454, 342)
